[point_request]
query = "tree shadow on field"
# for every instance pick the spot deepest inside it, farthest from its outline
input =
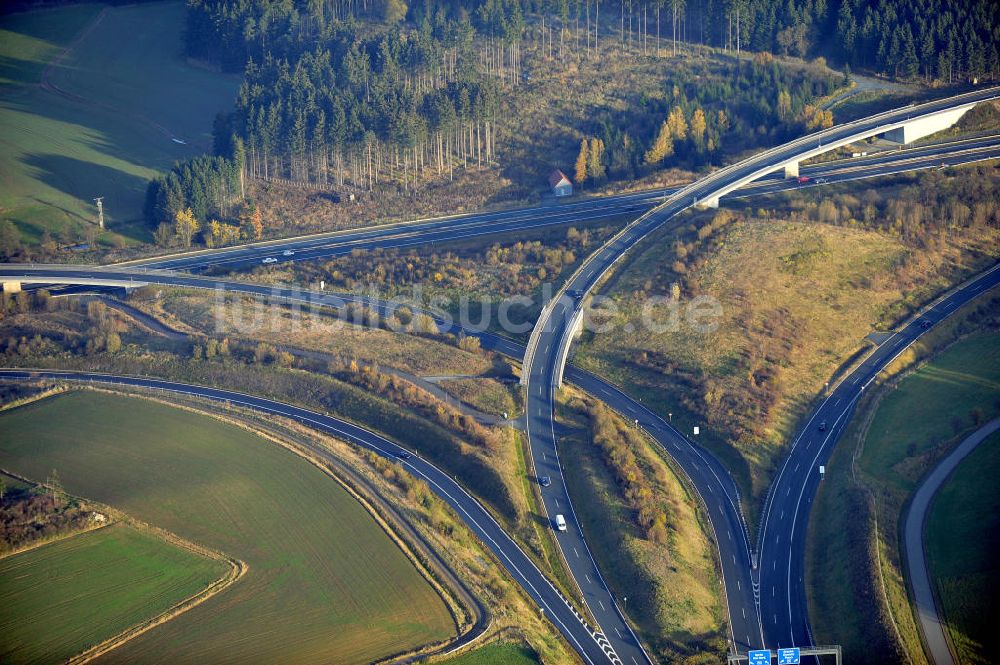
(123, 193)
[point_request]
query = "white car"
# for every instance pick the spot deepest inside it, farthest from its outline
(560, 523)
(270, 259)
(288, 252)
(821, 181)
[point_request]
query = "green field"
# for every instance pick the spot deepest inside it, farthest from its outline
(943, 392)
(963, 552)
(63, 597)
(496, 654)
(324, 584)
(96, 122)
(914, 425)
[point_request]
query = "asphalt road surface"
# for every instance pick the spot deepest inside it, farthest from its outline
(450, 229)
(919, 576)
(781, 544)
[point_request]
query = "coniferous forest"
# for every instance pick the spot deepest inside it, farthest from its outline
(370, 92)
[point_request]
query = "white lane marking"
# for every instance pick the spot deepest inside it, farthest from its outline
(796, 467)
(576, 553)
(744, 610)
(589, 581)
(603, 609)
(773, 590)
(739, 586)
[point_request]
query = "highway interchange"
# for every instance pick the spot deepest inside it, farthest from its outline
(749, 613)
(548, 349)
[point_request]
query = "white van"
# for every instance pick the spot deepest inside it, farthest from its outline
(560, 522)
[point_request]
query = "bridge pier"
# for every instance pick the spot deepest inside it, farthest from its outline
(792, 170)
(911, 131)
(12, 286)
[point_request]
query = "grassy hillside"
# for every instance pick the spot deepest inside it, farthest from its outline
(963, 548)
(324, 582)
(799, 286)
(97, 119)
(65, 596)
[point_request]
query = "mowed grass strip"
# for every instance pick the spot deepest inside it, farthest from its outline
(325, 583)
(499, 653)
(66, 596)
(944, 393)
(101, 122)
(962, 540)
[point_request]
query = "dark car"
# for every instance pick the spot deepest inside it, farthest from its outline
(404, 455)
(544, 481)
(822, 426)
(575, 294)
(925, 324)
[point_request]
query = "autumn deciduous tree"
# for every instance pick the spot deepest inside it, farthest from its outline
(677, 123)
(698, 127)
(595, 160)
(662, 147)
(257, 224)
(580, 174)
(185, 226)
(784, 104)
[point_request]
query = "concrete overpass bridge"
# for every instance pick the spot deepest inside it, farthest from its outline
(903, 125)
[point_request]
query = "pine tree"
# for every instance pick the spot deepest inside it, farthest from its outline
(662, 147)
(580, 176)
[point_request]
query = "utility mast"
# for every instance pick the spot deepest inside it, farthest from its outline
(100, 211)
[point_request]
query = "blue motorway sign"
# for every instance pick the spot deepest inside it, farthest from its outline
(761, 657)
(789, 656)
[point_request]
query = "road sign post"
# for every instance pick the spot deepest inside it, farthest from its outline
(789, 656)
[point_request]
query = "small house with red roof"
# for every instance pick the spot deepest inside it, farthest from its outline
(560, 184)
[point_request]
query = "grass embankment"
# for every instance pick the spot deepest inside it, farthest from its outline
(799, 286)
(65, 596)
(496, 654)
(100, 120)
(318, 563)
(859, 597)
(487, 395)
(645, 533)
(963, 552)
